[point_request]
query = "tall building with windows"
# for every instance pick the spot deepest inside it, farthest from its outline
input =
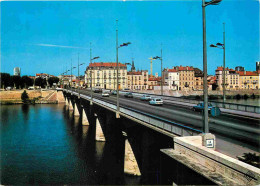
(232, 78)
(249, 80)
(104, 75)
(137, 80)
(17, 71)
(186, 77)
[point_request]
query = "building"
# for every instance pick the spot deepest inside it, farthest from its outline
(257, 66)
(67, 79)
(104, 75)
(232, 78)
(137, 80)
(171, 78)
(198, 80)
(239, 68)
(186, 77)
(17, 71)
(249, 80)
(153, 81)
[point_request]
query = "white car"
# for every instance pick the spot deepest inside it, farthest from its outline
(30, 88)
(156, 101)
(105, 94)
(58, 88)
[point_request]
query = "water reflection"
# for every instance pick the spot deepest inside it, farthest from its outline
(25, 110)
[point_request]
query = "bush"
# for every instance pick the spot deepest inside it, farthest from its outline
(25, 97)
(251, 159)
(238, 96)
(246, 96)
(253, 96)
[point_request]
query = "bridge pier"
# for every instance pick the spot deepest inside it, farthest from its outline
(76, 106)
(84, 117)
(99, 132)
(70, 107)
(130, 163)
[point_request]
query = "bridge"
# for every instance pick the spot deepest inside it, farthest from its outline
(171, 134)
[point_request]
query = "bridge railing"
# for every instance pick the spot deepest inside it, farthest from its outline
(161, 123)
(233, 106)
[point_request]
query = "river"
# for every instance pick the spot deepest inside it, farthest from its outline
(40, 144)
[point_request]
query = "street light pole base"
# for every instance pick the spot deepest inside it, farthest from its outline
(91, 102)
(117, 115)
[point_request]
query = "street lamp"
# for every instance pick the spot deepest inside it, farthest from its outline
(91, 59)
(78, 74)
(157, 57)
(117, 68)
(205, 84)
(222, 46)
(71, 75)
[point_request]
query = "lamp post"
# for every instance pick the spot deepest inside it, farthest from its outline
(71, 75)
(157, 57)
(205, 84)
(91, 92)
(78, 74)
(223, 46)
(117, 68)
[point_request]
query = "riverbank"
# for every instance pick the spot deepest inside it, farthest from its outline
(35, 96)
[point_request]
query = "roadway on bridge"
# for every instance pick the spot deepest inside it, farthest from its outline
(237, 130)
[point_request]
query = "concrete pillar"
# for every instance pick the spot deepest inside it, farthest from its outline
(99, 132)
(67, 101)
(70, 105)
(130, 164)
(76, 110)
(84, 117)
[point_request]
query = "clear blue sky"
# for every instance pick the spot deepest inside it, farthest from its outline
(45, 36)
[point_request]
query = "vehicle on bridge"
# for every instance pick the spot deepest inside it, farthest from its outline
(97, 90)
(105, 94)
(146, 98)
(129, 95)
(59, 89)
(114, 92)
(30, 88)
(200, 107)
(156, 101)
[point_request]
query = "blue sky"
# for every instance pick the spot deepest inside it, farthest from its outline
(46, 36)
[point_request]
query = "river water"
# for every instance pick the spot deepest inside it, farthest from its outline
(253, 102)
(41, 145)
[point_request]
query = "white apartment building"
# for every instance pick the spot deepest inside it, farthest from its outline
(104, 75)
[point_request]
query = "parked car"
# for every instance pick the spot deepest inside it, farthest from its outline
(30, 88)
(114, 92)
(59, 89)
(129, 95)
(146, 98)
(105, 94)
(200, 107)
(98, 90)
(8, 88)
(156, 101)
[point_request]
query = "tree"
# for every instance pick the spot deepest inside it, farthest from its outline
(25, 97)
(52, 80)
(26, 81)
(5, 80)
(17, 81)
(40, 82)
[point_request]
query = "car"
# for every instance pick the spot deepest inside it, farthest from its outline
(30, 88)
(97, 90)
(146, 98)
(156, 101)
(114, 92)
(105, 94)
(200, 107)
(129, 95)
(8, 88)
(59, 89)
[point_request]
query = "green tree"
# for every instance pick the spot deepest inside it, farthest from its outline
(25, 97)
(40, 82)
(17, 81)
(52, 80)
(26, 81)
(5, 80)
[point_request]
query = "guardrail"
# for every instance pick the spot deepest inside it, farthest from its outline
(166, 125)
(232, 106)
